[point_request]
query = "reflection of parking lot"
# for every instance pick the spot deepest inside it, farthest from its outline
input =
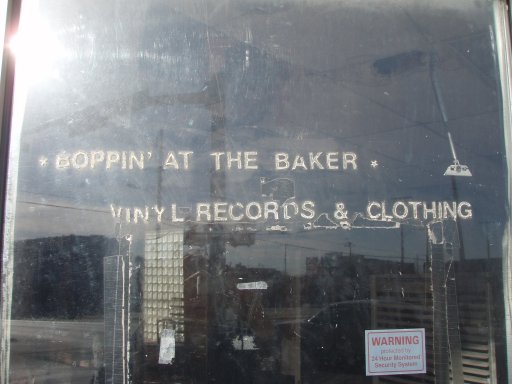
(331, 343)
(55, 351)
(31, 370)
(343, 379)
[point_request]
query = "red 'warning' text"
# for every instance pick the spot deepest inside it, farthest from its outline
(395, 340)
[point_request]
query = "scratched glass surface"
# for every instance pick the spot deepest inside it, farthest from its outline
(235, 191)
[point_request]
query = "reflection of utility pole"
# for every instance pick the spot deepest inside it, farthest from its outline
(212, 98)
(427, 250)
(440, 319)
(285, 255)
(447, 343)
(214, 95)
(402, 249)
(488, 243)
(349, 245)
(402, 253)
(490, 299)
(487, 227)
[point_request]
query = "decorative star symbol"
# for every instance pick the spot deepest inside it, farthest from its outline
(374, 163)
(43, 161)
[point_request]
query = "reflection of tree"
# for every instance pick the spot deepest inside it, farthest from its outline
(235, 235)
(336, 277)
(59, 277)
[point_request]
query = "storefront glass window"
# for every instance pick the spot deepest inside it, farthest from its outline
(256, 192)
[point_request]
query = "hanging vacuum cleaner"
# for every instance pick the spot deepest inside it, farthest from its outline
(455, 169)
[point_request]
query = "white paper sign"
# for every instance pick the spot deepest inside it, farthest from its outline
(244, 343)
(395, 352)
(167, 347)
(252, 285)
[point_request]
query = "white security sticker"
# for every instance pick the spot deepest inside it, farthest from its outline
(395, 351)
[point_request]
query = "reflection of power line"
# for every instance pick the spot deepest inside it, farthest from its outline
(297, 245)
(395, 112)
(450, 43)
(81, 208)
(424, 125)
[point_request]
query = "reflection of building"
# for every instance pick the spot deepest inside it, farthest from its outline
(312, 265)
(163, 284)
(406, 301)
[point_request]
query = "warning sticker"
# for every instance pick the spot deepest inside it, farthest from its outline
(395, 351)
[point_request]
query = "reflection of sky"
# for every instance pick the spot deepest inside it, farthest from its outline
(294, 78)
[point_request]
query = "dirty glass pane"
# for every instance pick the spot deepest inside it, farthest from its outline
(256, 192)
